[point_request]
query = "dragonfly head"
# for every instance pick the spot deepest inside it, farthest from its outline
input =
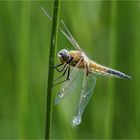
(63, 55)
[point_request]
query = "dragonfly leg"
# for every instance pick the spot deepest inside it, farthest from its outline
(62, 74)
(68, 75)
(56, 67)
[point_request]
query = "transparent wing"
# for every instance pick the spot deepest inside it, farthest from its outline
(86, 93)
(67, 34)
(72, 40)
(68, 85)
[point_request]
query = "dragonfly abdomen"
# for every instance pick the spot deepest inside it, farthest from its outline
(117, 73)
(96, 68)
(99, 69)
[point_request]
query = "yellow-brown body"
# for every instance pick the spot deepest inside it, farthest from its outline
(92, 66)
(80, 60)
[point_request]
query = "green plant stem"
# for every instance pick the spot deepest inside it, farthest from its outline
(53, 43)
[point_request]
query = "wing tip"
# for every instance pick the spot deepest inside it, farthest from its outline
(76, 121)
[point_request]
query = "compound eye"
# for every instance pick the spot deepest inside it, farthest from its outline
(60, 53)
(64, 54)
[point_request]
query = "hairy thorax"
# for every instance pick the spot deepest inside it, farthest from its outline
(77, 58)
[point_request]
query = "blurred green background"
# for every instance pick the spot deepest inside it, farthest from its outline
(108, 31)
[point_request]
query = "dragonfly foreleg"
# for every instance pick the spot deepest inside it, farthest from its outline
(62, 74)
(67, 78)
(56, 67)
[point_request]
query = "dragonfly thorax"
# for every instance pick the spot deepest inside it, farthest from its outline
(64, 56)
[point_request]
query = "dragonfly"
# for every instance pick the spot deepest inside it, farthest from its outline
(79, 60)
